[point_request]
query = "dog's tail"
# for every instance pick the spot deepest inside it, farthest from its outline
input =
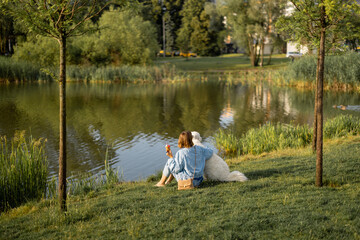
(237, 176)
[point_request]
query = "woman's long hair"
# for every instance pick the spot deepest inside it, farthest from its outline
(185, 140)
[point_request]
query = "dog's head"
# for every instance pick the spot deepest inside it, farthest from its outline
(196, 136)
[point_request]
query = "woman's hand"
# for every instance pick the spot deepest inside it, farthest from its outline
(169, 154)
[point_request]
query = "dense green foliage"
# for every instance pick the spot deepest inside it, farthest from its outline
(304, 24)
(250, 23)
(200, 29)
(124, 38)
(279, 201)
(270, 137)
(339, 69)
(23, 170)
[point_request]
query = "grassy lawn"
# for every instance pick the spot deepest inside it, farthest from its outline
(279, 201)
(221, 63)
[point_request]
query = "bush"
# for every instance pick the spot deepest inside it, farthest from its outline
(23, 170)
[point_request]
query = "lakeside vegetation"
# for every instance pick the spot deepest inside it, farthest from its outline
(23, 170)
(24, 173)
(271, 137)
(341, 72)
(12, 70)
(279, 201)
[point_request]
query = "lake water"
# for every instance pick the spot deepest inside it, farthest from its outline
(136, 120)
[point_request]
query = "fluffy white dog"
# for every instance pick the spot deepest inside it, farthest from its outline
(216, 168)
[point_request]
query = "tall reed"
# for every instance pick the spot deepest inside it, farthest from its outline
(23, 170)
(340, 71)
(86, 183)
(125, 73)
(341, 126)
(270, 137)
(11, 70)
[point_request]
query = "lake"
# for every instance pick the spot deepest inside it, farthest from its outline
(135, 121)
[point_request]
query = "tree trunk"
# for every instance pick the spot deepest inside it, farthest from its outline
(62, 143)
(271, 53)
(262, 49)
(316, 101)
(253, 51)
(319, 112)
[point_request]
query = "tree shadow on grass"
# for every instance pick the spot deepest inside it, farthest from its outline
(265, 173)
(208, 184)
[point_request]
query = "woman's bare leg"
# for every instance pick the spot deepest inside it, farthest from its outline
(161, 183)
(170, 178)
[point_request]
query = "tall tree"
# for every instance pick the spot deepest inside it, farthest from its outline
(318, 23)
(7, 36)
(251, 24)
(198, 31)
(169, 10)
(59, 19)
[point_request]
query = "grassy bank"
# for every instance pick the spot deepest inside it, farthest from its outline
(279, 201)
(228, 62)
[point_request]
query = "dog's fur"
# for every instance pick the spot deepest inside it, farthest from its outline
(216, 168)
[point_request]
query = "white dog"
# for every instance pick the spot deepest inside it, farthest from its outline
(216, 168)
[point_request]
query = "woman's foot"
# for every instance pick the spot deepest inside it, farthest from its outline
(159, 184)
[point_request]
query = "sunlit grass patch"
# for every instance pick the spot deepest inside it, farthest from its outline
(280, 201)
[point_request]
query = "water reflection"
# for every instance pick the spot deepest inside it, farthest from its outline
(136, 121)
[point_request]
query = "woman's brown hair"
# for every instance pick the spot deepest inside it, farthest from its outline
(185, 140)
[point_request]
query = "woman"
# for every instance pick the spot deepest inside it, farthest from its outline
(182, 165)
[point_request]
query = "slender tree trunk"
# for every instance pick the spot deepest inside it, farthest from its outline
(271, 53)
(316, 101)
(319, 112)
(262, 49)
(62, 143)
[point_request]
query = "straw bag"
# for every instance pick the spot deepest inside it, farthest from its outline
(188, 183)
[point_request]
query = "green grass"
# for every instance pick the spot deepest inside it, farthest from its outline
(279, 201)
(222, 63)
(23, 170)
(270, 137)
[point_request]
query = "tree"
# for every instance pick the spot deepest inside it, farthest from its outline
(251, 24)
(155, 10)
(318, 23)
(6, 31)
(199, 30)
(59, 19)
